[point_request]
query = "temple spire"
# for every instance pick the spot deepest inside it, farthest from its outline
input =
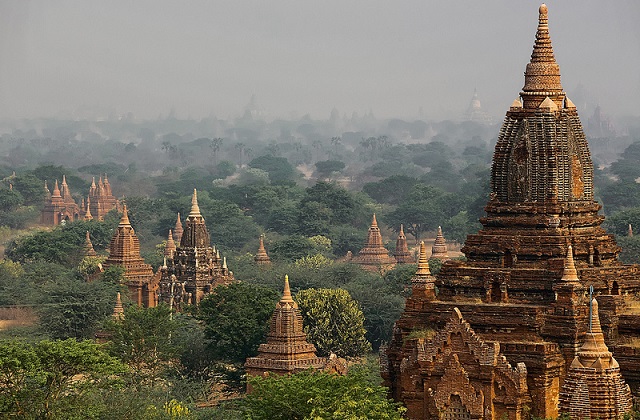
(88, 246)
(542, 76)
(630, 231)
(118, 310)
(262, 258)
(170, 248)
(423, 261)
(570, 273)
(87, 210)
(195, 209)
(124, 221)
(286, 296)
(56, 190)
(178, 230)
(439, 248)
(402, 254)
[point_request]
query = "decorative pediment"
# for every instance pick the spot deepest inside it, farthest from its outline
(455, 381)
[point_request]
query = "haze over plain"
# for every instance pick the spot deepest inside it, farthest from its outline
(393, 58)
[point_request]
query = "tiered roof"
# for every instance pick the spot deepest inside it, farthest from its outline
(374, 254)
(262, 258)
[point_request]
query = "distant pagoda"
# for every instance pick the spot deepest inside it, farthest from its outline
(439, 248)
(262, 258)
(287, 349)
(374, 256)
(402, 254)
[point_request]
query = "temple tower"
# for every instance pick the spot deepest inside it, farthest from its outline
(177, 230)
(286, 350)
(402, 254)
(101, 199)
(522, 285)
(196, 268)
(170, 248)
(374, 256)
(124, 250)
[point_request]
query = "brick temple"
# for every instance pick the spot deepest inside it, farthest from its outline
(196, 267)
(498, 335)
(124, 251)
(60, 206)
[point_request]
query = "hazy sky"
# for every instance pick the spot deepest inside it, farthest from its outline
(393, 57)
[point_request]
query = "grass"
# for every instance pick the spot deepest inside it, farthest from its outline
(426, 333)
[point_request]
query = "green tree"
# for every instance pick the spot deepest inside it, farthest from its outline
(278, 168)
(236, 320)
(50, 379)
(326, 167)
(319, 395)
(333, 322)
(75, 308)
(393, 190)
(143, 339)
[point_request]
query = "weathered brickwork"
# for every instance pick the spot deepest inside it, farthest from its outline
(196, 267)
(523, 287)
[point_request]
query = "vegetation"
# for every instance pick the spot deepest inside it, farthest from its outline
(318, 395)
(333, 322)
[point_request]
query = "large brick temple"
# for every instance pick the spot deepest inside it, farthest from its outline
(509, 332)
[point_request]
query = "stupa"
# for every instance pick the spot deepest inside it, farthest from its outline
(439, 249)
(374, 256)
(402, 254)
(262, 258)
(287, 349)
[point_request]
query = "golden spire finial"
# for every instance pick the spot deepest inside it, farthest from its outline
(423, 261)
(124, 221)
(195, 209)
(64, 179)
(401, 234)
(374, 222)
(570, 273)
(93, 182)
(286, 296)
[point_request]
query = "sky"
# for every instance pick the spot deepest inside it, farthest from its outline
(393, 58)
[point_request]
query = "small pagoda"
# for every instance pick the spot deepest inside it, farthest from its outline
(439, 248)
(262, 258)
(374, 256)
(287, 349)
(402, 254)
(594, 387)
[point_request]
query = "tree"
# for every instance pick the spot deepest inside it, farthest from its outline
(50, 379)
(319, 395)
(326, 167)
(236, 320)
(74, 308)
(278, 168)
(143, 339)
(333, 322)
(393, 190)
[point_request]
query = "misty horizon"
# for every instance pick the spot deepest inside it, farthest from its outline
(197, 59)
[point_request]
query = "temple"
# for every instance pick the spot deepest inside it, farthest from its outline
(196, 267)
(124, 251)
(374, 256)
(286, 350)
(507, 323)
(61, 207)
